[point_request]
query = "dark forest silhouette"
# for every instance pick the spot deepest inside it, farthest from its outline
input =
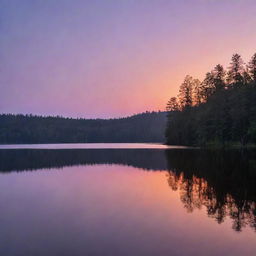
(224, 182)
(145, 127)
(220, 110)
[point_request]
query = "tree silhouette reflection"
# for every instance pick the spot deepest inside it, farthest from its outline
(222, 182)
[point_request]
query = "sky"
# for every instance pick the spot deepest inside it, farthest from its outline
(113, 58)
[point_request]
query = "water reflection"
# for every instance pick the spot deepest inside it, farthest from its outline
(224, 182)
(27, 159)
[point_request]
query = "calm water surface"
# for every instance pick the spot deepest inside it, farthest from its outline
(89, 146)
(127, 202)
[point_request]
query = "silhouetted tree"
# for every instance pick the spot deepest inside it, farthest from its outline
(197, 94)
(252, 67)
(186, 92)
(172, 104)
(246, 77)
(218, 74)
(235, 71)
(207, 87)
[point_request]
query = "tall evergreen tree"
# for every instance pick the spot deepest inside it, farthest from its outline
(235, 71)
(218, 74)
(197, 94)
(207, 87)
(186, 92)
(247, 79)
(252, 67)
(172, 104)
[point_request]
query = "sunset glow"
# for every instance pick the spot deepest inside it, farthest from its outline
(114, 58)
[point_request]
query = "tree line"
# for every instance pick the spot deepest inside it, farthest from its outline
(144, 127)
(220, 110)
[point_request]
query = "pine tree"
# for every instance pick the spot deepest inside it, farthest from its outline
(186, 93)
(197, 94)
(172, 104)
(252, 67)
(246, 77)
(235, 71)
(218, 74)
(207, 87)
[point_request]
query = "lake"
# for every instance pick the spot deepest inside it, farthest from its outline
(126, 200)
(90, 146)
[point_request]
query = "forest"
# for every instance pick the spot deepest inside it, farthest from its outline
(218, 111)
(144, 127)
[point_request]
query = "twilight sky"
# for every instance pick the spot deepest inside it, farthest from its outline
(111, 58)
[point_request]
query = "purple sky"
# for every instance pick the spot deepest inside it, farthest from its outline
(113, 58)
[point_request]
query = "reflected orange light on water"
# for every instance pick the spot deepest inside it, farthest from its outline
(135, 211)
